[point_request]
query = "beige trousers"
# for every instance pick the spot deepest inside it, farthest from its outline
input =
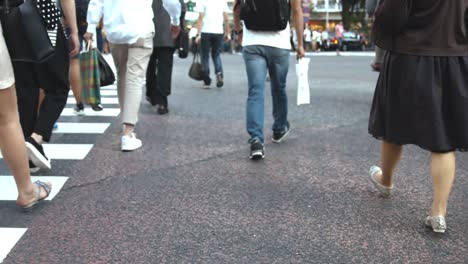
(131, 61)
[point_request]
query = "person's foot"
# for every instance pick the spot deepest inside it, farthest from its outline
(79, 109)
(257, 150)
(376, 66)
(219, 80)
(162, 109)
(375, 176)
(36, 154)
(437, 223)
(97, 107)
(41, 191)
(278, 136)
(207, 83)
(33, 168)
(130, 143)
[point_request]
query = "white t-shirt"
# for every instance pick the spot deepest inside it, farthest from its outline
(214, 15)
(277, 39)
(307, 35)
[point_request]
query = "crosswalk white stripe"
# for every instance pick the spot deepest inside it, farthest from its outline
(8, 239)
(104, 92)
(10, 193)
(89, 112)
(104, 100)
(81, 128)
(66, 151)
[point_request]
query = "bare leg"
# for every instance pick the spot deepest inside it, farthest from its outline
(75, 79)
(390, 155)
(443, 174)
(13, 147)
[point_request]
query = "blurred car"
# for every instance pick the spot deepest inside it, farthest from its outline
(351, 41)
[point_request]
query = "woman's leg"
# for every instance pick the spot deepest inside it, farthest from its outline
(390, 155)
(75, 79)
(14, 149)
(443, 174)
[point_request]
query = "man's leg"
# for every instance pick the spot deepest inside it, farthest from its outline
(278, 65)
(151, 78)
(205, 57)
(256, 67)
(137, 63)
(163, 90)
(216, 46)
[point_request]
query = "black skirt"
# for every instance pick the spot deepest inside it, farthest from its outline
(422, 101)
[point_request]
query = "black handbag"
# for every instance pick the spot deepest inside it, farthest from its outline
(196, 69)
(105, 71)
(25, 32)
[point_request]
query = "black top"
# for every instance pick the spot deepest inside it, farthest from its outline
(422, 27)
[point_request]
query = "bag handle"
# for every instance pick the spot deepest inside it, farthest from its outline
(88, 45)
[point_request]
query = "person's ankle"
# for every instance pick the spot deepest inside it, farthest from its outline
(128, 129)
(438, 210)
(383, 180)
(38, 138)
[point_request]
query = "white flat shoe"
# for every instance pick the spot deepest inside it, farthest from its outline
(384, 190)
(437, 223)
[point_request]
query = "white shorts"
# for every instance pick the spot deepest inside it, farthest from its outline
(7, 78)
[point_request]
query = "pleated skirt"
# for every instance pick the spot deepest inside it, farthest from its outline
(423, 101)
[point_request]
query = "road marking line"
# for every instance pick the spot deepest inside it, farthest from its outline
(81, 128)
(104, 100)
(8, 239)
(10, 192)
(90, 112)
(66, 151)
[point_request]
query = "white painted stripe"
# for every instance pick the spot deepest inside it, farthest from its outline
(104, 92)
(104, 100)
(8, 239)
(89, 112)
(81, 128)
(66, 151)
(10, 193)
(109, 87)
(344, 54)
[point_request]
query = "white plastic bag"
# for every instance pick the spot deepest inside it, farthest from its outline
(303, 92)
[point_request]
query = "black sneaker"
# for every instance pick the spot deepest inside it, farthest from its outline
(278, 136)
(162, 109)
(219, 80)
(36, 154)
(257, 150)
(33, 168)
(79, 109)
(97, 107)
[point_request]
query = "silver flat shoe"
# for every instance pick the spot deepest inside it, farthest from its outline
(437, 223)
(384, 190)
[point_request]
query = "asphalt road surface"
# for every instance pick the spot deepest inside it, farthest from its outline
(191, 195)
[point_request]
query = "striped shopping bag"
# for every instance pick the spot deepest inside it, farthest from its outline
(90, 76)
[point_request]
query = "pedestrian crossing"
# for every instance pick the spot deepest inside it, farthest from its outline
(58, 151)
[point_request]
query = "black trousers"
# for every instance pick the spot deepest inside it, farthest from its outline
(159, 75)
(52, 76)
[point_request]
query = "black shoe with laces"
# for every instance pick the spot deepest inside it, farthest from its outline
(278, 136)
(162, 109)
(257, 150)
(219, 80)
(97, 107)
(79, 109)
(36, 154)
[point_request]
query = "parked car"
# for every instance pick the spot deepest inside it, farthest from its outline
(351, 41)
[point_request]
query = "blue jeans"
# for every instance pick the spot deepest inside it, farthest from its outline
(211, 42)
(258, 59)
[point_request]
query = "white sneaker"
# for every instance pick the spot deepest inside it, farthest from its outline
(130, 143)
